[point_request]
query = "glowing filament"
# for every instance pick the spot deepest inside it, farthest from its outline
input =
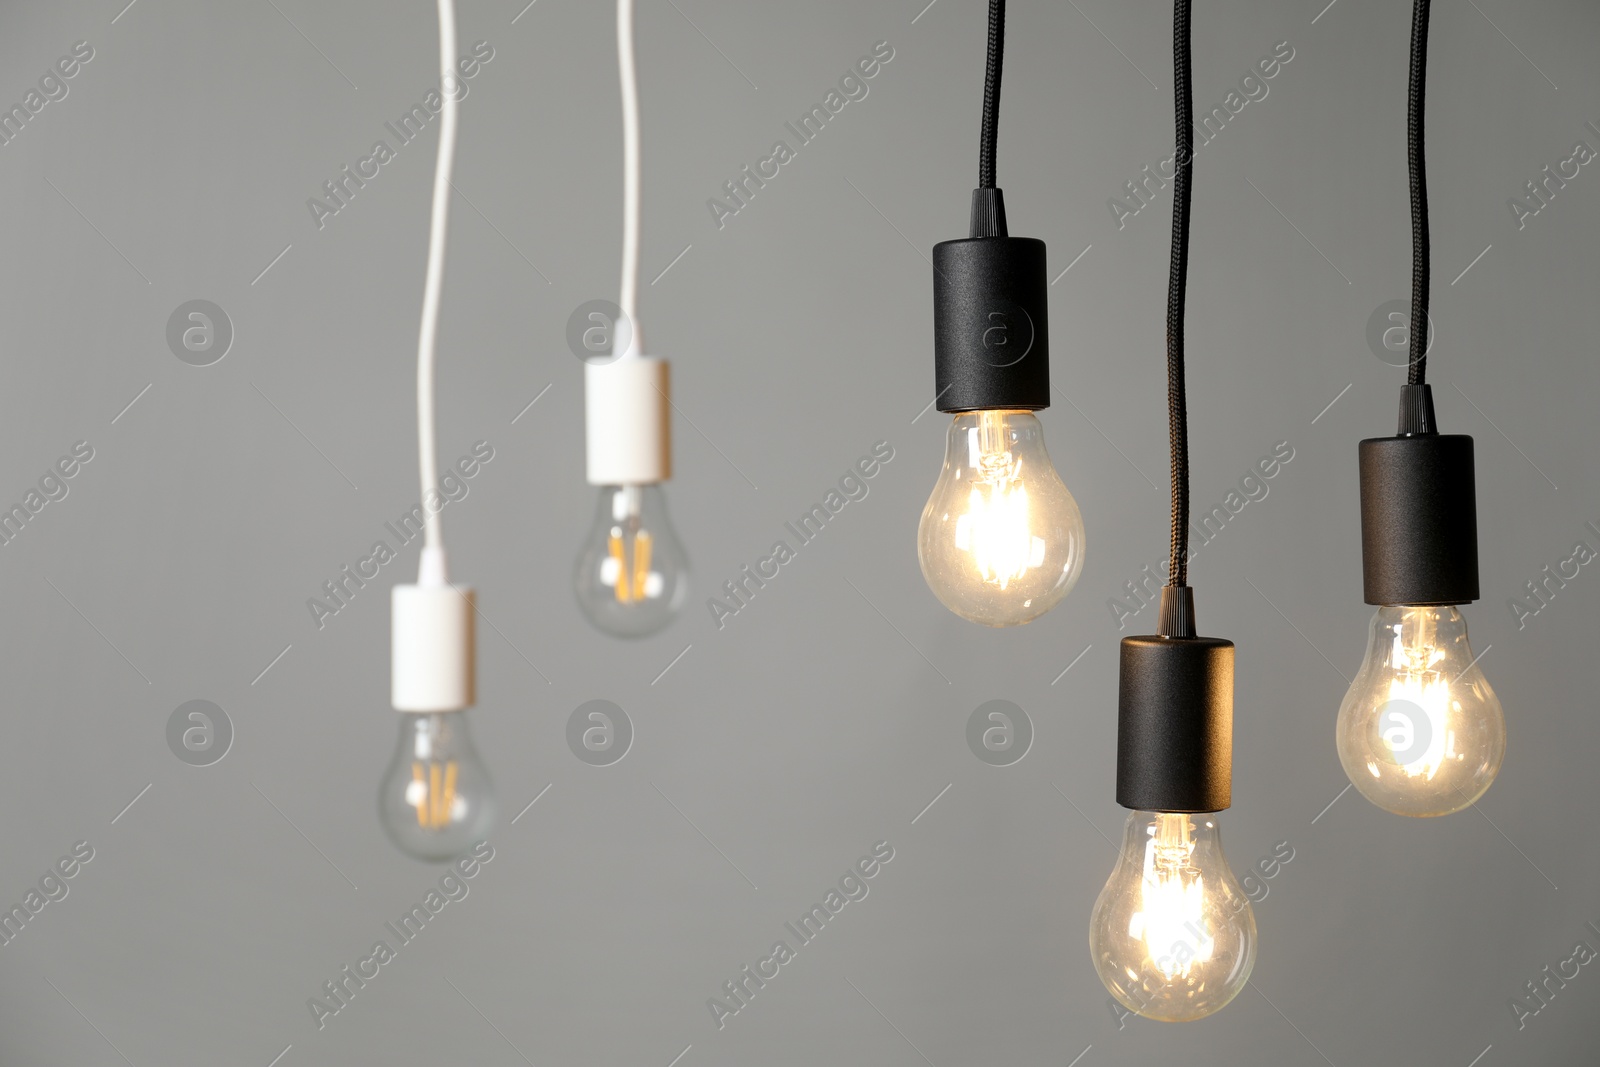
(641, 563)
(615, 571)
(1172, 919)
(1417, 684)
(995, 530)
(433, 793)
(635, 583)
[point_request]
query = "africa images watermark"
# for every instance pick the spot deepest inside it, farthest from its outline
(341, 989)
(1542, 990)
(599, 732)
(1542, 190)
(1141, 191)
(52, 887)
(1204, 527)
(199, 732)
(199, 332)
(52, 487)
(999, 732)
(852, 86)
(52, 88)
(852, 886)
(743, 587)
(1555, 578)
(342, 588)
(343, 187)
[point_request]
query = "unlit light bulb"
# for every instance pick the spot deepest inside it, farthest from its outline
(1001, 539)
(632, 575)
(436, 800)
(1172, 934)
(1420, 731)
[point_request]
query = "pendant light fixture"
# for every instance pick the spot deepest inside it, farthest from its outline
(435, 800)
(1172, 934)
(1420, 731)
(632, 576)
(1001, 539)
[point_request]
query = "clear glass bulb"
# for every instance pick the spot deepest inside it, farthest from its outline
(1172, 935)
(1420, 731)
(632, 574)
(436, 801)
(1001, 540)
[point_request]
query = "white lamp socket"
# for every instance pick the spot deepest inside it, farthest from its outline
(432, 652)
(627, 419)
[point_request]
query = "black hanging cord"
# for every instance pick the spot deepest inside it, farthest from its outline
(1177, 292)
(991, 93)
(1421, 260)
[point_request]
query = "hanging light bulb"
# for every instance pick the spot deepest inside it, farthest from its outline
(632, 576)
(1172, 934)
(436, 800)
(1001, 539)
(1420, 731)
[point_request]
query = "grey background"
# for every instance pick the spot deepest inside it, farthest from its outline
(829, 713)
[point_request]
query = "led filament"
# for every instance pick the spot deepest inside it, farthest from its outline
(995, 528)
(633, 581)
(1172, 898)
(433, 793)
(1418, 744)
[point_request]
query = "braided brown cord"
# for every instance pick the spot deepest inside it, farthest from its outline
(991, 93)
(1421, 265)
(1177, 292)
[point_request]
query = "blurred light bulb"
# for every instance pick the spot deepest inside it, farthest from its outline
(436, 800)
(1172, 934)
(1001, 540)
(632, 574)
(1420, 731)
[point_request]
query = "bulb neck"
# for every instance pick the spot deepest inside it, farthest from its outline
(433, 735)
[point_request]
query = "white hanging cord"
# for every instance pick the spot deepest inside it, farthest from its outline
(432, 568)
(630, 173)
(627, 432)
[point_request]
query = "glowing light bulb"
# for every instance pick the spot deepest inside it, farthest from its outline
(436, 800)
(1420, 731)
(632, 574)
(1172, 934)
(1001, 540)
